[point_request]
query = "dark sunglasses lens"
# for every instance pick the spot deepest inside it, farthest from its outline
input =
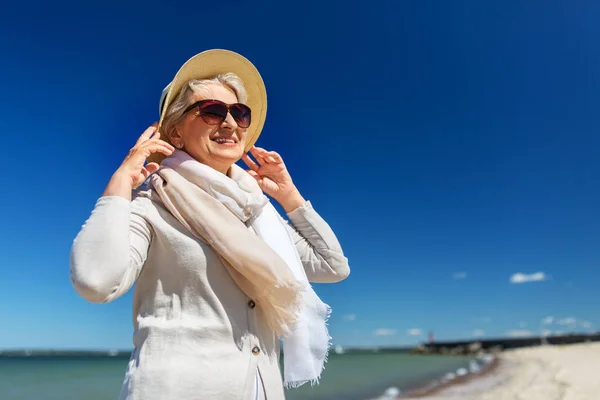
(242, 115)
(213, 113)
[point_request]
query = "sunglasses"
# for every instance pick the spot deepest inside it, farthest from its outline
(214, 112)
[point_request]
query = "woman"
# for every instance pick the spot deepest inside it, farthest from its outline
(220, 276)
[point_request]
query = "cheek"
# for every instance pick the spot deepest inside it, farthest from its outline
(198, 133)
(243, 135)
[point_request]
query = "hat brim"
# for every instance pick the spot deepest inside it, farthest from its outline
(208, 64)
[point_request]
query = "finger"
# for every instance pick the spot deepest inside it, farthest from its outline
(253, 173)
(153, 143)
(271, 169)
(152, 168)
(276, 157)
(167, 143)
(155, 140)
(157, 149)
(160, 141)
(147, 133)
(145, 173)
(257, 153)
(258, 150)
(268, 156)
(250, 162)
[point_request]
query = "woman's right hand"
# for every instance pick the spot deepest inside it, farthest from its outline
(132, 172)
(133, 165)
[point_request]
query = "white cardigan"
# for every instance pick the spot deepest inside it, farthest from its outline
(196, 334)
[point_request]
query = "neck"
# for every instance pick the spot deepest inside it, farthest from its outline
(224, 168)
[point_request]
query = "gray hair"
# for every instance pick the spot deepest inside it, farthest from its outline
(174, 114)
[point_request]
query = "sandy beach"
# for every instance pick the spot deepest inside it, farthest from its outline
(570, 372)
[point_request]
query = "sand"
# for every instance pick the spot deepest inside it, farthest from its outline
(569, 372)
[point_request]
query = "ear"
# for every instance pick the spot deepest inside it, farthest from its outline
(173, 135)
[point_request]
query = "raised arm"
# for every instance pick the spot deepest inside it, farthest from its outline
(319, 248)
(108, 253)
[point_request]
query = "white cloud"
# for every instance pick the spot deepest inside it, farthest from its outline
(384, 332)
(567, 321)
(522, 324)
(548, 320)
(546, 332)
(519, 333)
(414, 332)
(460, 275)
(350, 317)
(524, 278)
(586, 324)
(478, 332)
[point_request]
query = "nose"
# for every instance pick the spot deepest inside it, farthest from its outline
(229, 122)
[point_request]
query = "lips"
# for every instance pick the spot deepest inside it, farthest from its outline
(226, 141)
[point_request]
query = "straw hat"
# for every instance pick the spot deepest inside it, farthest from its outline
(207, 64)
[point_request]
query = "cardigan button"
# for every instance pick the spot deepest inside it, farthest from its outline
(251, 304)
(255, 350)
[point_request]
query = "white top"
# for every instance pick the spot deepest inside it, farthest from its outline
(259, 389)
(196, 335)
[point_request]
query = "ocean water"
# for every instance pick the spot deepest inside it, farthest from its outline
(352, 376)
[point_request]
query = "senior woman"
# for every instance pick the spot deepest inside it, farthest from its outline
(220, 277)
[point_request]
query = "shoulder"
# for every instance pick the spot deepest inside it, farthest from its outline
(145, 201)
(158, 218)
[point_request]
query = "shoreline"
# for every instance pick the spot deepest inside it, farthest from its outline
(436, 387)
(481, 368)
(470, 387)
(547, 372)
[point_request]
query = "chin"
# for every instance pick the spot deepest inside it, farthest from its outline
(234, 153)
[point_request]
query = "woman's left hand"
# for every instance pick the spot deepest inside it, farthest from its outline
(273, 177)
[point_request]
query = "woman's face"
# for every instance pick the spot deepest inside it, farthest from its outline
(218, 146)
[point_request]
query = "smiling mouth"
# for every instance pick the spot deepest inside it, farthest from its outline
(225, 141)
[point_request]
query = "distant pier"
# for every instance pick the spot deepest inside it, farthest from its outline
(500, 344)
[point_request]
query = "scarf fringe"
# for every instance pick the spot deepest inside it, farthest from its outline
(313, 382)
(296, 385)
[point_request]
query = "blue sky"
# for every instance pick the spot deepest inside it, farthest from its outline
(450, 145)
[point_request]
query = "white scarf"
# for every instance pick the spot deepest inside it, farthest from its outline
(301, 314)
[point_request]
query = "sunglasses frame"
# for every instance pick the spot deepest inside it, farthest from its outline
(228, 106)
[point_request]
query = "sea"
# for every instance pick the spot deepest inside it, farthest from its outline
(352, 376)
